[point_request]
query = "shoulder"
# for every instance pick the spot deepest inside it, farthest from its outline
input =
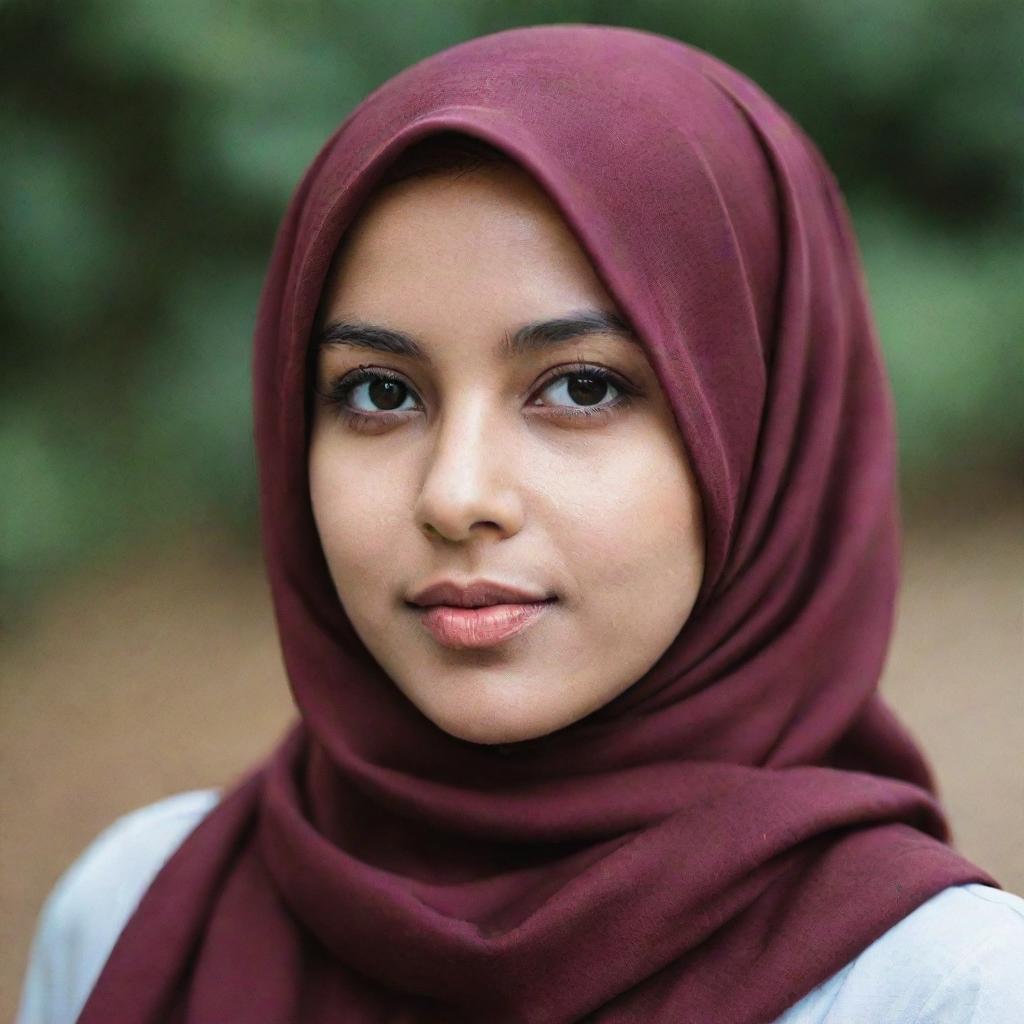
(91, 902)
(957, 959)
(113, 872)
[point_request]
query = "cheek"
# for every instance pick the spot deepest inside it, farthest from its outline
(633, 540)
(632, 520)
(358, 513)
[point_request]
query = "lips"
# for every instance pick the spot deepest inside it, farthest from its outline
(461, 628)
(477, 613)
(475, 594)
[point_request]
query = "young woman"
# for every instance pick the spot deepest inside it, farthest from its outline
(579, 511)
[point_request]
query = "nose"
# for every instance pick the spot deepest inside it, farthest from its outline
(469, 481)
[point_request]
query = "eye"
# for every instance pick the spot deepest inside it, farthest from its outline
(371, 398)
(380, 391)
(584, 389)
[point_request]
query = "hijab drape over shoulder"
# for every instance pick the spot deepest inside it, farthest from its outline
(748, 816)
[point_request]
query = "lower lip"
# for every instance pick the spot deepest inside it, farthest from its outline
(480, 627)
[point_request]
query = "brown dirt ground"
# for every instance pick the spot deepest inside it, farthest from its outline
(160, 673)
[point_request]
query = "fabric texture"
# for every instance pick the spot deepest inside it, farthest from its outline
(956, 959)
(749, 808)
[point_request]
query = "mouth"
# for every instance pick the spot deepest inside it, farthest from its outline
(460, 628)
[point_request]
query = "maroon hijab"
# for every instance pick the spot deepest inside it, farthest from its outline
(749, 815)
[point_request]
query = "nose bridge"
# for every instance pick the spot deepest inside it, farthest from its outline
(466, 434)
(466, 478)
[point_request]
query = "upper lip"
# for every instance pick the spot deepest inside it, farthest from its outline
(474, 594)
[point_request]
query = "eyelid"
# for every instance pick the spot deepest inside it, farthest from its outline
(338, 389)
(553, 373)
(352, 378)
(581, 366)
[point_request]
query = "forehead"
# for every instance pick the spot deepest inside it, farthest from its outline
(469, 238)
(479, 262)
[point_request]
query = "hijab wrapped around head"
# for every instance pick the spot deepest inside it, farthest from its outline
(744, 819)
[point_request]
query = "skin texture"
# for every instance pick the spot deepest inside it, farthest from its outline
(474, 465)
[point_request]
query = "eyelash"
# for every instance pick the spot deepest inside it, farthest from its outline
(338, 391)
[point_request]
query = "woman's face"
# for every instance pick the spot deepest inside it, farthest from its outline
(443, 450)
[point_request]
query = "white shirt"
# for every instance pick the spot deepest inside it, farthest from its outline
(957, 959)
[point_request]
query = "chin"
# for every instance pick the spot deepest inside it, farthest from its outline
(493, 729)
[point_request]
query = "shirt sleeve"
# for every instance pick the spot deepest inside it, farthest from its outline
(956, 959)
(88, 907)
(986, 985)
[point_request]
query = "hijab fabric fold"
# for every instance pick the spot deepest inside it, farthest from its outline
(749, 815)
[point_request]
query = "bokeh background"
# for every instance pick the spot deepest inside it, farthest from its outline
(148, 151)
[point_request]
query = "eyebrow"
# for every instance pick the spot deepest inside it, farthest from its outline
(531, 337)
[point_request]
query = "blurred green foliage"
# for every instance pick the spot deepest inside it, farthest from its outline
(150, 147)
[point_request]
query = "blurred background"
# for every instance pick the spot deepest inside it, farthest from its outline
(148, 153)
